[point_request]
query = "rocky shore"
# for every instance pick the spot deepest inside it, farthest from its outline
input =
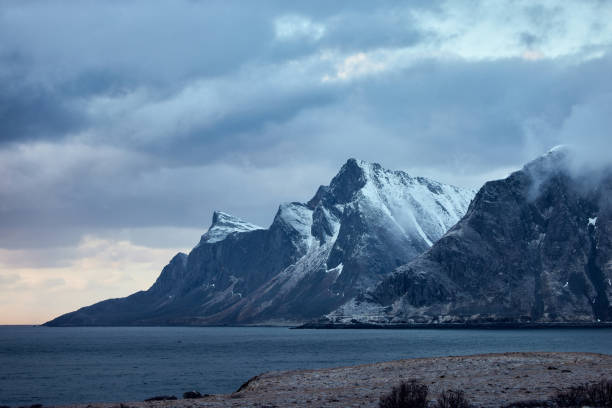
(489, 380)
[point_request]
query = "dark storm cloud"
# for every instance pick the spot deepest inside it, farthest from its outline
(137, 114)
(55, 56)
(28, 111)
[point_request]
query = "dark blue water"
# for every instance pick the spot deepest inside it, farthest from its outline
(70, 365)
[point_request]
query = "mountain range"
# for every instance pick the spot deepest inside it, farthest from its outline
(534, 247)
(382, 247)
(314, 257)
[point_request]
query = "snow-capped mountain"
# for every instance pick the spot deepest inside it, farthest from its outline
(534, 247)
(224, 224)
(313, 258)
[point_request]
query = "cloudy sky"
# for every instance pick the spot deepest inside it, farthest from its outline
(124, 124)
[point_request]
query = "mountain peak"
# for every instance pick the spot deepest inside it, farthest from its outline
(353, 167)
(363, 165)
(356, 174)
(552, 158)
(553, 161)
(365, 170)
(224, 224)
(562, 148)
(220, 217)
(351, 178)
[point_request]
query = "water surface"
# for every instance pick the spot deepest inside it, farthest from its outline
(89, 364)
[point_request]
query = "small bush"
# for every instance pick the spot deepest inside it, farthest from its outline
(453, 399)
(598, 394)
(409, 394)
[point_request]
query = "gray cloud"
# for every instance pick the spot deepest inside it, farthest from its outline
(32, 112)
(131, 116)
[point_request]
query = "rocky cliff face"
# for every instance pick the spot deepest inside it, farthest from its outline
(534, 247)
(313, 258)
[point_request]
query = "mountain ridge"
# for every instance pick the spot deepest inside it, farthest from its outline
(532, 248)
(312, 258)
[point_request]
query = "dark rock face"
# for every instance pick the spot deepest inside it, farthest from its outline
(312, 259)
(534, 247)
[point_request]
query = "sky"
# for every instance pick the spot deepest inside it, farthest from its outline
(125, 124)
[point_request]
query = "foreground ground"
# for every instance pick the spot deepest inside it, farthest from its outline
(489, 380)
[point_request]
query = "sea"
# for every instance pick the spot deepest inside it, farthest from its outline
(51, 366)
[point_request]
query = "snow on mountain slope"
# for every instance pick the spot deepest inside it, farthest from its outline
(224, 224)
(354, 231)
(313, 258)
(419, 207)
(534, 247)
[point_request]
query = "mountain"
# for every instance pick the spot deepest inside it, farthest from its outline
(534, 247)
(314, 257)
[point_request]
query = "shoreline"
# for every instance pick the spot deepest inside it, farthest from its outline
(454, 326)
(361, 325)
(489, 380)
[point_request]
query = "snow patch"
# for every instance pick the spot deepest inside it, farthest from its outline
(361, 311)
(296, 216)
(559, 148)
(337, 270)
(225, 224)
(418, 208)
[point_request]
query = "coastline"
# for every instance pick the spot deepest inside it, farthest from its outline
(489, 380)
(451, 326)
(362, 325)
